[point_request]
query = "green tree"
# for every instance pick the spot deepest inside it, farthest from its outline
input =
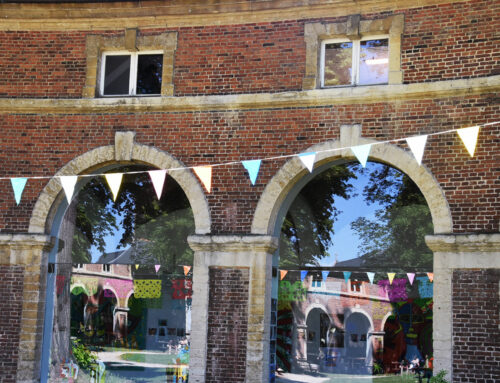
(308, 224)
(396, 236)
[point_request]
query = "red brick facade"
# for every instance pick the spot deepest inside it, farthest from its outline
(439, 42)
(476, 335)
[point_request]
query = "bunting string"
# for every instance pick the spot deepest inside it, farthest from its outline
(361, 152)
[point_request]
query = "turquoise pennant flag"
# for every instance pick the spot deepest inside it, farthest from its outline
(347, 275)
(361, 152)
(18, 185)
(252, 166)
(325, 275)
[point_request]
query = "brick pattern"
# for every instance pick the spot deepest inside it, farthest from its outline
(227, 324)
(41, 145)
(11, 291)
(476, 326)
(450, 41)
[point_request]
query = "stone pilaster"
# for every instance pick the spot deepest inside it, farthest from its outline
(474, 251)
(255, 254)
(29, 251)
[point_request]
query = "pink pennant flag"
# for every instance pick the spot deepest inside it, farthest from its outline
(158, 179)
(282, 274)
(391, 277)
(204, 173)
(157, 267)
(431, 276)
(186, 269)
(411, 277)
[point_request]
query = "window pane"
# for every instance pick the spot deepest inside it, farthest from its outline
(374, 62)
(117, 75)
(338, 64)
(149, 69)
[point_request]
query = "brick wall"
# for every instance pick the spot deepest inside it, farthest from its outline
(41, 145)
(227, 325)
(476, 326)
(11, 291)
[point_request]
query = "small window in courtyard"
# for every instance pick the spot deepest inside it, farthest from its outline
(131, 74)
(358, 62)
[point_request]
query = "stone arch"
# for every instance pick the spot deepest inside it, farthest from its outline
(357, 310)
(125, 150)
(285, 185)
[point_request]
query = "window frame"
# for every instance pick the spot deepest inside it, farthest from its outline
(132, 82)
(356, 51)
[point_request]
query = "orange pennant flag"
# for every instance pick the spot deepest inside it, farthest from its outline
(431, 276)
(282, 274)
(186, 269)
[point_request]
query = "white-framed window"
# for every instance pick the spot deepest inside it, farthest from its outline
(126, 73)
(106, 268)
(354, 62)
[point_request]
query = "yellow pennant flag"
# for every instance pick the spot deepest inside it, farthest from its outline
(391, 277)
(114, 181)
(204, 173)
(136, 267)
(469, 138)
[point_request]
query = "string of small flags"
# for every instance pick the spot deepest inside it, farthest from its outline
(157, 268)
(416, 144)
(347, 276)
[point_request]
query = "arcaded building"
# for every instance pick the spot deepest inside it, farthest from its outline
(249, 191)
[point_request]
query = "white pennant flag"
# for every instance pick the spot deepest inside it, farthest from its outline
(469, 138)
(361, 152)
(158, 179)
(204, 173)
(114, 181)
(68, 183)
(417, 145)
(370, 275)
(308, 160)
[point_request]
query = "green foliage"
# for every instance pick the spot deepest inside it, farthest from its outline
(377, 368)
(82, 355)
(440, 377)
(396, 236)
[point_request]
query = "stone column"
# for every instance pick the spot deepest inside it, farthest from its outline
(29, 252)
(253, 256)
(474, 251)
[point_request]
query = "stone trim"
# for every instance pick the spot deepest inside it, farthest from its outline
(278, 188)
(154, 14)
(455, 251)
(30, 251)
(352, 29)
(124, 147)
(310, 98)
(255, 253)
(97, 44)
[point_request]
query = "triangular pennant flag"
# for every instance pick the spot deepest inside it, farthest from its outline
(417, 145)
(469, 138)
(361, 152)
(430, 276)
(18, 185)
(186, 269)
(308, 160)
(303, 274)
(157, 267)
(158, 179)
(68, 183)
(325, 275)
(282, 274)
(136, 267)
(391, 277)
(204, 173)
(347, 275)
(114, 181)
(252, 166)
(411, 277)
(370, 276)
